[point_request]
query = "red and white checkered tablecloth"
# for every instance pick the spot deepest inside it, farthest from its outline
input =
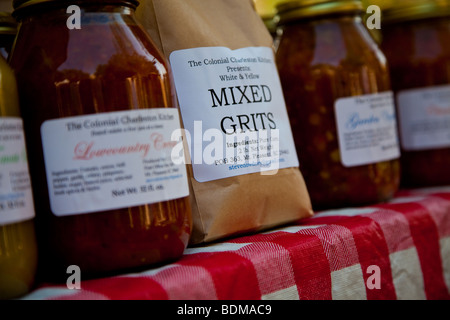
(397, 250)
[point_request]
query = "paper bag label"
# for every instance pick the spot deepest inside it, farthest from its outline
(233, 110)
(112, 160)
(367, 129)
(16, 199)
(424, 118)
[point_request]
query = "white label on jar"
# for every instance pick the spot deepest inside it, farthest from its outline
(234, 111)
(112, 160)
(16, 198)
(424, 118)
(367, 129)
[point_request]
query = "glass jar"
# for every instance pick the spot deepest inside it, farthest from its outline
(99, 109)
(416, 43)
(8, 31)
(18, 248)
(338, 95)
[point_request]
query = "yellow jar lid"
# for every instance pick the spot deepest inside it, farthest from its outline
(266, 8)
(408, 10)
(289, 10)
(267, 11)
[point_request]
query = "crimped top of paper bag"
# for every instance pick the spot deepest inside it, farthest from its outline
(206, 30)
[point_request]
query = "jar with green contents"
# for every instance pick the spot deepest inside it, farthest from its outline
(338, 95)
(18, 248)
(416, 41)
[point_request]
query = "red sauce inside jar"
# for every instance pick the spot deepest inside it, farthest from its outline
(108, 65)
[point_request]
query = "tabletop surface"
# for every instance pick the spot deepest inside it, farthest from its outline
(394, 250)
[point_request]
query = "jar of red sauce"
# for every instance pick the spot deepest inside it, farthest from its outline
(338, 95)
(416, 41)
(99, 109)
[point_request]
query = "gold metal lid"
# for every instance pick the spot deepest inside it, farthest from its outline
(383, 4)
(409, 10)
(266, 8)
(289, 10)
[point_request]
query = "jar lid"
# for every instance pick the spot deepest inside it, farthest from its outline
(20, 4)
(266, 8)
(8, 25)
(267, 11)
(289, 10)
(408, 10)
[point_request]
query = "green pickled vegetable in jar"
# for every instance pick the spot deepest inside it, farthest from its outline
(18, 247)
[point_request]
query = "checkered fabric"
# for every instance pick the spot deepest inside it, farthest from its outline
(396, 250)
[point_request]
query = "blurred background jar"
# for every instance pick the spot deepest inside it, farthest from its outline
(416, 42)
(18, 248)
(94, 94)
(339, 99)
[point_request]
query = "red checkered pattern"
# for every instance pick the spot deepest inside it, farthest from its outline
(397, 250)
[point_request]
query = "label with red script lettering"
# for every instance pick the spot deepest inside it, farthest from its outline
(112, 160)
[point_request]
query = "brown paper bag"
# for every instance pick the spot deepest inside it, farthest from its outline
(242, 203)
